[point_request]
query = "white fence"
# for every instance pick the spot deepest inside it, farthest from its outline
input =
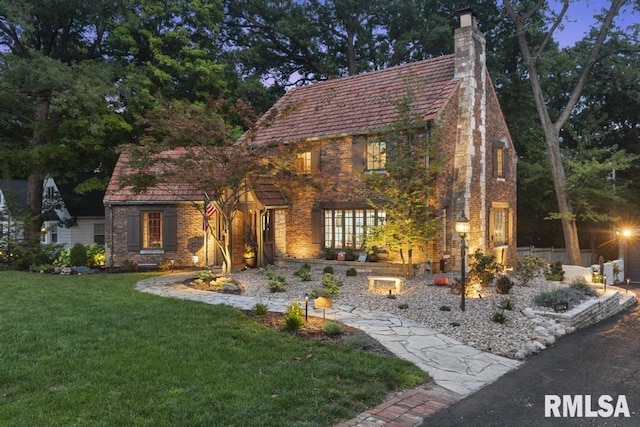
(557, 254)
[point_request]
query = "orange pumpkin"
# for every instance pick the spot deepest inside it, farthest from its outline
(441, 279)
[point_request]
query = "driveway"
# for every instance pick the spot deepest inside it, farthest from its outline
(603, 359)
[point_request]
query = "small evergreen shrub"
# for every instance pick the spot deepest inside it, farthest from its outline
(351, 272)
(530, 267)
(78, 255)
(260, 309)
(454, 324)
(330, 287)
(504, 285)
(403, 306)
(571, 295)
(332, 328)
(445, 308)
(328, 269)
(581, 284)
(303, 272)
(293, 317)
(277, 285)
(555, 272)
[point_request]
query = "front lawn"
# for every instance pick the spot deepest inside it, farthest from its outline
(91, 351)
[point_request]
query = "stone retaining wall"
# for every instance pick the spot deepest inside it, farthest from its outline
(592, 311)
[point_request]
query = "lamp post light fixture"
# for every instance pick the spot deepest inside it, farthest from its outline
(306, 306)
(462, 228)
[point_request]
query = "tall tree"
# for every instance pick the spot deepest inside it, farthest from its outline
(553, 121)
(52, 75)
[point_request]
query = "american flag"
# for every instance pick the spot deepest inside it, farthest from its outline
(209, 209)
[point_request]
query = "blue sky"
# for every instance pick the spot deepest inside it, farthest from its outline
(580, 16)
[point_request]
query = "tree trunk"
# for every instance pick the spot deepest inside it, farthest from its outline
(35, 181)
(568, 221)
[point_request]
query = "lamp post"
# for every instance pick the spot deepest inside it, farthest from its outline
(306, 307)
(462, 228)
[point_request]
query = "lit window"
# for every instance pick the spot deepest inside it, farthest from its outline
(500, 162)
(500, 226)
(376, 155)
(347, 227)
(152, 230)
(303, 162)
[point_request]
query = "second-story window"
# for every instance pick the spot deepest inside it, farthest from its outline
(376, 155)
(303, 162)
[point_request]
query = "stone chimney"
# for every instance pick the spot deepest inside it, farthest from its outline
(470, 192)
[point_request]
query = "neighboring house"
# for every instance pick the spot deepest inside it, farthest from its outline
(69, 217)
(339, 120)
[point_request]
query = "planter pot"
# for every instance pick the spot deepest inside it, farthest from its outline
(441, 280)
(250, 262)
(372, 257)
(329, 257)
(341, 256)
(349, 257)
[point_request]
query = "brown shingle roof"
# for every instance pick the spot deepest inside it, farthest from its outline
(357, 104)
(166, 193)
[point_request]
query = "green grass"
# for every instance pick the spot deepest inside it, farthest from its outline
(91, 351)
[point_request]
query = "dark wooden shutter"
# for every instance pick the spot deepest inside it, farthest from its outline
(316, 226)
(358, 154)
(315, 159)
(170, 230)
(133, 231)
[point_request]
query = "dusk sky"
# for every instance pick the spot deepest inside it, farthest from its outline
(581, 15)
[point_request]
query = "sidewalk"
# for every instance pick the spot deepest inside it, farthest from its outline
(457, 369)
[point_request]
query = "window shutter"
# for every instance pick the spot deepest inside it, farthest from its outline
(170, 230)
(315, 159)
(316, 226)
(133, 231)
(357, 154)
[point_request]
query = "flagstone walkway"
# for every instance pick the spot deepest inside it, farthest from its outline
(457, 369)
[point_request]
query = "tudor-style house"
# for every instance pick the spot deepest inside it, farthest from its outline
(342, 123)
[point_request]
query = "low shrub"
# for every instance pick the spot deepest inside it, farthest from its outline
(351, 272)
(277, 286)
(403, 306)
(445, 308)
(581, 284)
(303, 272)
(332, 328)
(569, 295)
(506, 304)
(504, 285)
(530, 267)
(78, 255)
(330, 287)
(554, 272)
(293, 317)
(328, 269)
(499, 317)
(260, 309)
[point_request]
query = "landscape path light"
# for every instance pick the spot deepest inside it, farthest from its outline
(462, 228)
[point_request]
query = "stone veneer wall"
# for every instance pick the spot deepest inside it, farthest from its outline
(590, 312)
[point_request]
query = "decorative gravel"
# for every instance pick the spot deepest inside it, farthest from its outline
(421, 301)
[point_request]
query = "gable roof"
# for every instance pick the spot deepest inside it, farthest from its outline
(81, 205)
(166, 193)
(358, 104)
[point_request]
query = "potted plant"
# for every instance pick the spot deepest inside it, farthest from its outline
(330, 253)
(372, 253)
(249, 255)
(349, 253)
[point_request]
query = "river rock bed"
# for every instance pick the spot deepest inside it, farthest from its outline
(522, 334)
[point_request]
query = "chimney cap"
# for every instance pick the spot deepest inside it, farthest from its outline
(466, 17)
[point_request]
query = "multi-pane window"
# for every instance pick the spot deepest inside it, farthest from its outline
(98, 234)
(303, 162)
(347, 227)
(499, 162)
(152, 230)
(500, 235)
(376, 155)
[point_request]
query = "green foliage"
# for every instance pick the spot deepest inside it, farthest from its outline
(23, 258)
(581, 284)
(277, 285)
(445, 308)
(499, 317)
(332, 328)
(78, 255)
(293, 317)
(96, 256)
(506, 304)
(554, 272)
(529, 268)
(303, 272)
(504, 284)
(327, 269)
(403, 306)
(352, 272)
(571, 295)
(484, 267)
(260, 309)
(454, 324)
(330, 287)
